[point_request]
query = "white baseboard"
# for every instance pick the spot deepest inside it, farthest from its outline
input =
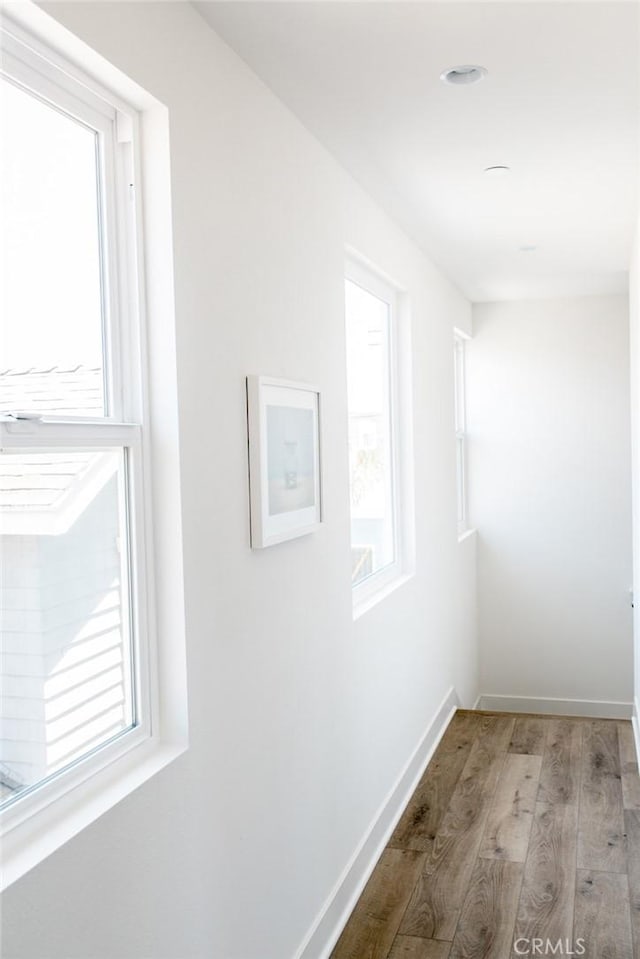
(591, 708)
(635, 722)
(333, 916)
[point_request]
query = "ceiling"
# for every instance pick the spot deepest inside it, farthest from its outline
(559, 105)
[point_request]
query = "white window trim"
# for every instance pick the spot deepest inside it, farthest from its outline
(38, 823)
(381, 584)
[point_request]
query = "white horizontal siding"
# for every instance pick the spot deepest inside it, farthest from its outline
(22, 665)
(27, 730)
(79, 627)
(25, 753)
(78, 695)
(79, 579)
(18, 644)
(84, 672)
(22, 707)
(78, 741)
(82, 715)
(16, 687)
(64, 662)
(21, 621)
(20, 598)
(69, 568)
(20, 563)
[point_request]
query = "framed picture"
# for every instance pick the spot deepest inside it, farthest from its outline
(284, 459)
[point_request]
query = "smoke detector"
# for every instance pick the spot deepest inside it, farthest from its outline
(464, 75)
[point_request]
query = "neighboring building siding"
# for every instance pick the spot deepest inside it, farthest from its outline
(83, 636)
(23, 739)
(66, 674)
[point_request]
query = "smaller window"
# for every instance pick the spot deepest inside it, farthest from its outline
(460, 428)
(374, 448)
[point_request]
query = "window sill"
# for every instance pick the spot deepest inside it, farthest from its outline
(35, 837)
(362, 606)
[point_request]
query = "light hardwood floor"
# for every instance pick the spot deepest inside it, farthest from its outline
(522, 838)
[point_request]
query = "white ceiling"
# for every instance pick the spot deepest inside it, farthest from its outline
(559, 105)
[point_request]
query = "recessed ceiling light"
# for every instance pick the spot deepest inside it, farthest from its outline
(497, 170)
(461, 76)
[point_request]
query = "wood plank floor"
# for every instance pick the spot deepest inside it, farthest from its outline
(522, 838)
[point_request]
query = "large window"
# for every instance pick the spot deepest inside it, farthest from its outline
(80, 669)
(374, 434)
(70, 464)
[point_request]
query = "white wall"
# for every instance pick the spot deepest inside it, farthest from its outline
(300, 719)
(548, 414)
(634, 315)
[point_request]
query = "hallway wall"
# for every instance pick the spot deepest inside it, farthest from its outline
(301, 720)
(634, 317)
(548, 412)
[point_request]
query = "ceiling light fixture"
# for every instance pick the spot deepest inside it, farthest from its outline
(499, 170)
(462, 76)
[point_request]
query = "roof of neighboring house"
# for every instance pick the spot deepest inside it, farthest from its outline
(71, 390)
(44, 492)
(39, 480)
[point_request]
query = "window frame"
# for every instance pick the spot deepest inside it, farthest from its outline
(38, 821)
(379, 584)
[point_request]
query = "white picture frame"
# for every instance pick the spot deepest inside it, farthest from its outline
(284, 459)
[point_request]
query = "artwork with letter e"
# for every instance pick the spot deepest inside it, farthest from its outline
(284, 459)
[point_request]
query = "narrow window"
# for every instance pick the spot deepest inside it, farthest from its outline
(72, 592)
(460, 429)
(372, 378)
